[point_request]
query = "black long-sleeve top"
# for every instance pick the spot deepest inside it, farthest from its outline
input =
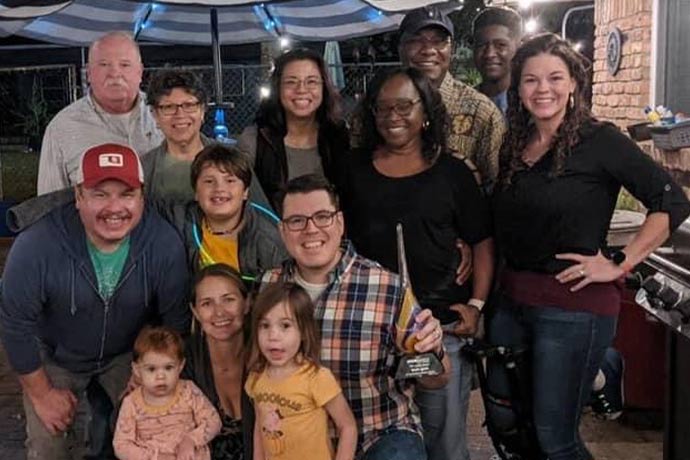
(538, 216)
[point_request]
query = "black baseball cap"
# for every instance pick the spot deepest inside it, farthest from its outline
(427, 16)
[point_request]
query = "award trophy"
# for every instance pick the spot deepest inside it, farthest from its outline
(413, 364)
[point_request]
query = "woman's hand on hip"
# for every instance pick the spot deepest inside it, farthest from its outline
(588, 269)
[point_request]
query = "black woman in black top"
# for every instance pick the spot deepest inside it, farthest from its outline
(404, 175)
(560, 174)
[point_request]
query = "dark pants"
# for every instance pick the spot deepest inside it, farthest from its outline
(397, 445)
(566, 348)
(40, 443)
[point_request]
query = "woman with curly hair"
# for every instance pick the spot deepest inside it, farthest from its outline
(404, 174)
(178, 103)
(560, 173)
(298, 129)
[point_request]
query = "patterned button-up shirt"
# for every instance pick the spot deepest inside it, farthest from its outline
(357, 314)
(476, 129)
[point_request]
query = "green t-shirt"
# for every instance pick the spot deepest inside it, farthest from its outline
(172, 179)
(108, 266)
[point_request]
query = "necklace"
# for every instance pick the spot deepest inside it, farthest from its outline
(220, 232)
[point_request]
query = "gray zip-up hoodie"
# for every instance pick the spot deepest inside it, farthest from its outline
(50, 297)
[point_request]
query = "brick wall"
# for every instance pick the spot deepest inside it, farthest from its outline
(621, 98)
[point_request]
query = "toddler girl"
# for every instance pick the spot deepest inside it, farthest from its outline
(165, 418)
(293, 396)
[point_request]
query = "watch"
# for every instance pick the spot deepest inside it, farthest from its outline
(617, 257)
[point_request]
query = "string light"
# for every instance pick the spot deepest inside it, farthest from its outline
(525, 4)
(264, 92)
(531, 25)
(284, 43)
(578, 46)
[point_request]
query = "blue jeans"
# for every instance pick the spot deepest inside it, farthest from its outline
(566, 348)
(397, 445)
(444, 410)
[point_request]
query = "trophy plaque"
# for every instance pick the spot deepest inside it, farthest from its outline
(413, 364)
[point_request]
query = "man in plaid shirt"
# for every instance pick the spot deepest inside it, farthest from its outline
(356, 304)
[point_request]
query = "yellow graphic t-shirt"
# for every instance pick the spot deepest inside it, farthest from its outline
(293, 421)
(215, 249)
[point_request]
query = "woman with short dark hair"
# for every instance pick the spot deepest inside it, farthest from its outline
(178, 103)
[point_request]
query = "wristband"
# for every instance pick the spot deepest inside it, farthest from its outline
(476, 303)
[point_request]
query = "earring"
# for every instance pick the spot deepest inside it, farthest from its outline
(425, 125)
(571, 101)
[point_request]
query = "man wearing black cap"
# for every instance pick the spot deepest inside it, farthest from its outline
(476, 133)
(477, 126)
(78, 286)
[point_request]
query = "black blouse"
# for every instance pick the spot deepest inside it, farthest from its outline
(436, 207)
(538, 216)
(235, 440)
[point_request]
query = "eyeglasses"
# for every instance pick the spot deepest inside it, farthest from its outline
(321, 219)
(171, 109)
(416, 43)
(310, 83)
(402, 107)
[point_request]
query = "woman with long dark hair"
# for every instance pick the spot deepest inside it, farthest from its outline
(405, 174)
(298, 129)
(560, 173)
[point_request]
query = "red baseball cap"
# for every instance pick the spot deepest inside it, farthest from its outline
(110, 161)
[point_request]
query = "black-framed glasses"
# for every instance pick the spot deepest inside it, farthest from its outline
(321, 219)
(171, 109)
(402, 107)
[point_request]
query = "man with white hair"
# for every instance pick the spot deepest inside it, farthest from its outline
(114, 110)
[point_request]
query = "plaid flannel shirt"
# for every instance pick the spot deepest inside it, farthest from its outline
(357, 314)
(476, 128)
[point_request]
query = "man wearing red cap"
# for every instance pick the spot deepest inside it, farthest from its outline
(78, 286)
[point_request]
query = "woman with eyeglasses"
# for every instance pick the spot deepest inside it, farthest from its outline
(404, 174)
(178, 103)
(298, 128)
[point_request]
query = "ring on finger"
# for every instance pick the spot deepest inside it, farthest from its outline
(582, 272)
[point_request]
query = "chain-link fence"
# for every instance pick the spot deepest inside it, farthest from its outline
(30, 97)
(241, 89)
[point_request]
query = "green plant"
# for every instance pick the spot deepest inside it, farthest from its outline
(34, 116)
(627, 202)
